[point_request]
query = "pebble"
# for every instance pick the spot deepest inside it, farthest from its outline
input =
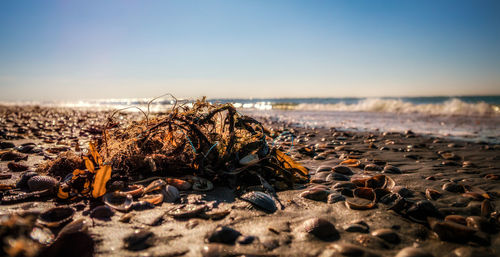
(342, 170)
(470, 252)
(17, 167)
(388, 235)
(224, 235)
(333, 198)
(413, 252)
(139, 240)
(102, 212)
(390, 169)
(371, 242)
(320, 177)
(337, 176)
(372, 167)
(320, 228)
(453, 187)
(316, 194)
(346, 249)
(360, 227)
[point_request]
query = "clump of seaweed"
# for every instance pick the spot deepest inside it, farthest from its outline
(64, 164)
(205, 139)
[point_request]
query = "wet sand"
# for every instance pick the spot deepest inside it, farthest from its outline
(421, 163)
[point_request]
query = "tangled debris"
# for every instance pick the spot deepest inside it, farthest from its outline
(197, 141)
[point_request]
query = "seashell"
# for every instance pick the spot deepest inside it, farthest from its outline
(359, 204)
(102, 212)
(79, 225)
(379, 193)
(42, 235)
(17, 167)
(316, 194)
(360, 180)
(365, 193)
(224, 235)
(351, 163)
(387, 235)
(201, 184)
(139, 240)
(391, 169)
(55, 217)
(377, 181)
(320, 228)
(492, 176)
(486, 208)
(23, 181)
(260, 200)
(134, 190)
(170, 194)
(451, 231)
(250, 159)
(118, 201)
(459, 219)
(39, 183)
(141, 206)
(413, 252)
(344, 170)
(155, 185)
(432, 194)
(186, 212)
(179, 183)
(153, 199)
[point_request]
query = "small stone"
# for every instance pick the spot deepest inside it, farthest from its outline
(245, 240)
(333, 198)
(320, 228)
(453, 187)
(357, 227)
(471, 252)
(223, 234)
(388, 235)
(342, 170)
(373, 167)
(139, 240)
(337, 176)
(413, 252)
(390, 169)
(17, 167)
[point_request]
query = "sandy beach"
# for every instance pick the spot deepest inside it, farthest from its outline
(439, 197)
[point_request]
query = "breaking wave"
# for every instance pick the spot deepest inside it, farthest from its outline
(453, 106)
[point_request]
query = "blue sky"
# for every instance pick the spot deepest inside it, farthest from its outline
(68, 50)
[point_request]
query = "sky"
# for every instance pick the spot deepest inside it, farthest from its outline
(71, 50)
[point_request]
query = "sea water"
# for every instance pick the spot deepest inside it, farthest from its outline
(471, 118)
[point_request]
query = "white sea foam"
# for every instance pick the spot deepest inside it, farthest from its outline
(451, 107)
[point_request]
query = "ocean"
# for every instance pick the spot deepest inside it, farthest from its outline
(469, 118)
